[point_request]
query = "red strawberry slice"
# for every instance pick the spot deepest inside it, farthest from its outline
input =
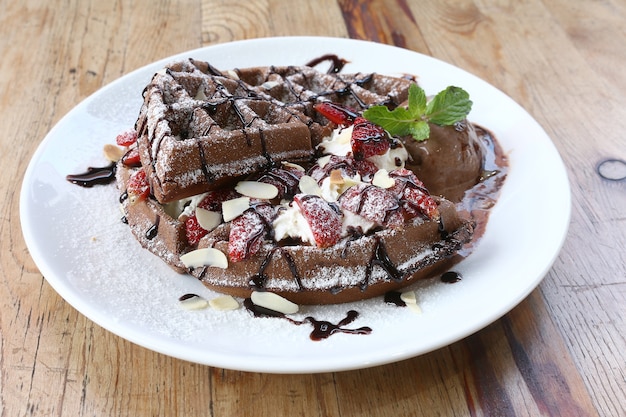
(375, 204)
(194, 231)
(366, 168)
(214, 199)
(127, 138)
(131, 158)
(286, 179)
(138, 188)
(347, 165)
(368, 139)
(247, 233)
(413, 195)
(337, 114)
(323, 219)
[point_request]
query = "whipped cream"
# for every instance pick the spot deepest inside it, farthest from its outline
(290, 223)
(338, 143)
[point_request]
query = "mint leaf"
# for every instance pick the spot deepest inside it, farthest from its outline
(420, 130)
(397, 122)
(448, 107)
(417, 101)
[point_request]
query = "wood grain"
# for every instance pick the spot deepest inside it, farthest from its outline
(561, 352)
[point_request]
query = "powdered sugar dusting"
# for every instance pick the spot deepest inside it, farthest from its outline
(131, 286)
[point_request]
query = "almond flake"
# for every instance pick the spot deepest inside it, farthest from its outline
(201, 95)
(308, 185)
(205, 257)
(193, 302)
(292, 165)
(256, 189)
(235, 207)
(273, 302)
(415, 308)
(336, 177)
(232, 74)
(323, 161)
(410, 299)
(224, 303)
(268, 85)
(207, 219)
(382, 179)
(113, 153)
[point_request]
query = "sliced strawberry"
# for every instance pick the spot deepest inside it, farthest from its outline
(214, 199)
(194, 231)
(373, 203)
(138, 187)
(337, 114)
(127, 138)
(368, 139)
(247, 233)
(347, 165)
(323, 219)
(212, 202)
(413, 195)
(365, 168)
(285, 179)
(131, 158)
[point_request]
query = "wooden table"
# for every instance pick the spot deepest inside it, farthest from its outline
(562, 351)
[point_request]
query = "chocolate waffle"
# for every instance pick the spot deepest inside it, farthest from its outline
(200, 128)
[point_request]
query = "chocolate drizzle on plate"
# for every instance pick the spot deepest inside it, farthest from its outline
(337, 63)
(451, 277)
(94, 176)
(321, 329)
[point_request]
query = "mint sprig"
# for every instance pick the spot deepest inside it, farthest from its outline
(446, 108)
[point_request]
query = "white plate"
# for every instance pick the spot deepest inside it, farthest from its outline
(89, 257)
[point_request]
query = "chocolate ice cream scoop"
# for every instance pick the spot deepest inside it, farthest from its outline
(449, 162)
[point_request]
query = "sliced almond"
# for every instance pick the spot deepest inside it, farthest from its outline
(256, 189)
(323, 161)
(207, 219)
(273, 302)
(235, 207)
(382, 179)
(268, 85)
(232, 74)
(308, 185)
(410, 299)
(113, 153)
(224, 303)
(200, 94)
(193, 302)
(415, 308)
(336, 177)
(205, 257)
(292, 165)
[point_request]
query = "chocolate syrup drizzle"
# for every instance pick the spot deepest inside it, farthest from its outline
(321, 329)
(94, 176)
(223, 96)
(337, 63)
